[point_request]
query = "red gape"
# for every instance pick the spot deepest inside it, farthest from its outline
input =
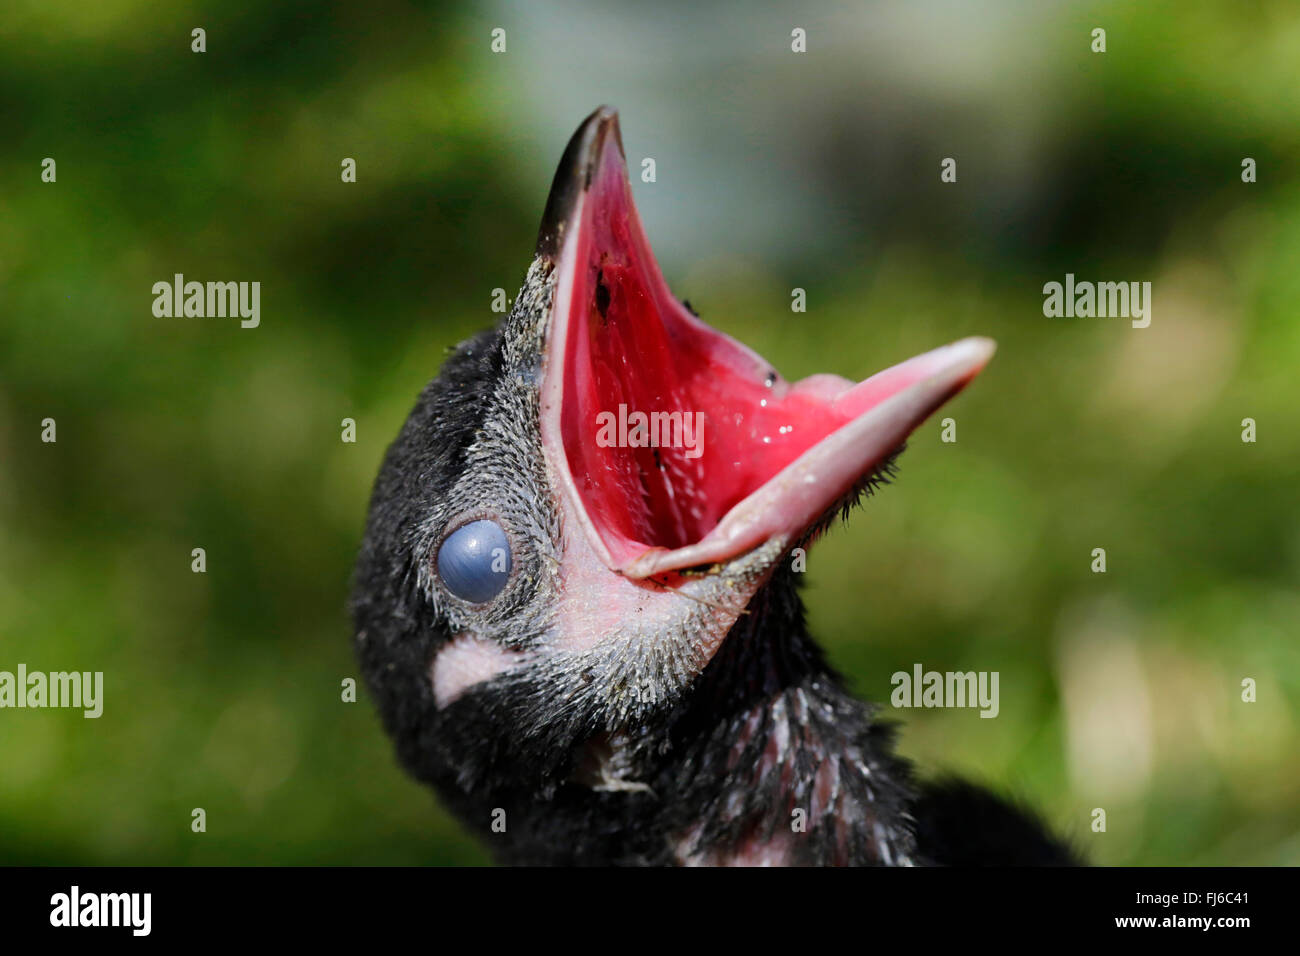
(633, 344)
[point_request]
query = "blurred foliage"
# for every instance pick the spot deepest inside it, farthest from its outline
(222, 690)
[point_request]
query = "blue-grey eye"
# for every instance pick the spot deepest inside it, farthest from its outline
(474, 561)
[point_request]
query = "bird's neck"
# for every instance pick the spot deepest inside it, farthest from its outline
(768, 761)
(774, 762)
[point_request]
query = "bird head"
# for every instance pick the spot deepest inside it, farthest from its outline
(587, 502)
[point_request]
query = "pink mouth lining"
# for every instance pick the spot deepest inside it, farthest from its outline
(771, 457)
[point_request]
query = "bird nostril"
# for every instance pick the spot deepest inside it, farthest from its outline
(474, 561)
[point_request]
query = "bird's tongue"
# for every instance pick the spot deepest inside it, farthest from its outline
(676, 445)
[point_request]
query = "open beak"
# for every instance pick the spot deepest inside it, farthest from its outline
(674, 446)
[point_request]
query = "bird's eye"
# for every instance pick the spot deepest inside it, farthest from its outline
(474, 561)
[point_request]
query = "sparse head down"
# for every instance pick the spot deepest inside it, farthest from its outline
(573, 602)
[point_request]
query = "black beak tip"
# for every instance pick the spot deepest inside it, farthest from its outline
(573, 176)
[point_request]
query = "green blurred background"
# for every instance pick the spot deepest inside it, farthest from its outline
(774, 170)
